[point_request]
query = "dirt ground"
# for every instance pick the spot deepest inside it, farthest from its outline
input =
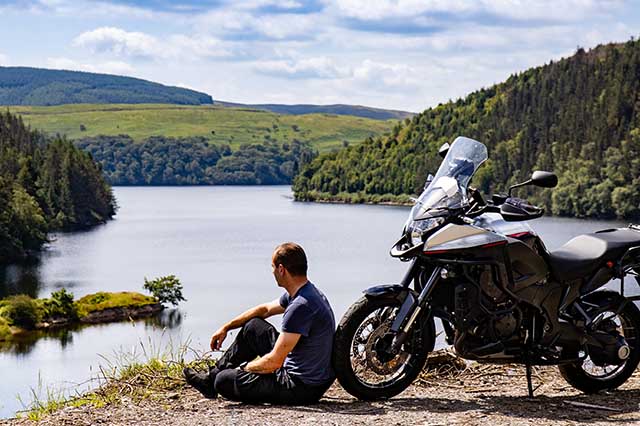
(483, 395)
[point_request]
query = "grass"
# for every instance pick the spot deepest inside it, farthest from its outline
(150, 371)
(233, 126)
(105, 300)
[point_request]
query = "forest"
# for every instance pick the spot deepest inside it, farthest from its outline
(160, 160)
(578, 117)
(37, 86)
(46, 184)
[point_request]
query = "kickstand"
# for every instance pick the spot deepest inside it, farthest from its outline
(529, 384)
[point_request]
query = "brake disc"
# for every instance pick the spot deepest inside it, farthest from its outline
(373, 358)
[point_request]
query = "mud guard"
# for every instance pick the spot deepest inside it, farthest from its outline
(407, 299)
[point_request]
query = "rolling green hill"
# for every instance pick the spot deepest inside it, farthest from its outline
(338, 109)
(218, 125)
(578, 117)
(37, 86)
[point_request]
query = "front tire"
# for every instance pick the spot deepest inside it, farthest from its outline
(360, 366)
(590, 378)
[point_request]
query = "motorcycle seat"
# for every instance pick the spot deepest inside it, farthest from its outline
(584, 254)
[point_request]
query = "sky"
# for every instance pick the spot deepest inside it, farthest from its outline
(398, 54)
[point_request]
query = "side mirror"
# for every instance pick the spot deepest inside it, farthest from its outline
(544, 179)
(538, 178)
(442, 152)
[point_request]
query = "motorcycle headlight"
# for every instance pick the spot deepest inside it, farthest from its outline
(418, 228)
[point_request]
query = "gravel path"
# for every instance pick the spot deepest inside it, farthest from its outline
(486, 395)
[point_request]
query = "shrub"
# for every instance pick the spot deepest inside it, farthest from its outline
(5, 331)
(60, 305)
(22, 311)
(165, 289)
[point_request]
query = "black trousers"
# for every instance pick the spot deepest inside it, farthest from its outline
(256, 338)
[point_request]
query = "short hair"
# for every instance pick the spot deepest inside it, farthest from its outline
(292, 257)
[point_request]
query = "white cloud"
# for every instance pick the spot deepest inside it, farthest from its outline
(137, 45)
(119, 42)
(239, 23)
(321, 67)
(4, 60)
(84, 9)
(109, 67)
(376, 74)
(551, 10)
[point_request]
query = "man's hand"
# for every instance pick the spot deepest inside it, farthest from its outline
(262, 311)
(217, 338)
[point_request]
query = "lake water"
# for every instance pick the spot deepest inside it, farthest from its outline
(218, 241)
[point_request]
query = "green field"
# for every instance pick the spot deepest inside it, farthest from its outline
(221, 125)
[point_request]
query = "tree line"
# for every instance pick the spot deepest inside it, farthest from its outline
(163, 160)
(45, 185)
(578, 117)
(37, 86)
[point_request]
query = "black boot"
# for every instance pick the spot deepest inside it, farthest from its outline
(202, 381)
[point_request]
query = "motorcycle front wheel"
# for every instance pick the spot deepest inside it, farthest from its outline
(361, 361)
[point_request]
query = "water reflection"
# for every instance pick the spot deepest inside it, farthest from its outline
(168, 318)
(24, 343)
(22, 278)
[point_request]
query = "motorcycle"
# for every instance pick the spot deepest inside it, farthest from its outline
(501, 296)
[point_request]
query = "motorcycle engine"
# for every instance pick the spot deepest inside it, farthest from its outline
(485, 315)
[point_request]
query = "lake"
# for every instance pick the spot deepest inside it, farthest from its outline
(218, 241)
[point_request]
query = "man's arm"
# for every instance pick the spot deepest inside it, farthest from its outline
(274, 359)
(264, 310)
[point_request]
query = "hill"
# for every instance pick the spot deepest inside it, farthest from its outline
(578, 117)
(45, 185)
(217, 125)
(36, 86)
(338, 109)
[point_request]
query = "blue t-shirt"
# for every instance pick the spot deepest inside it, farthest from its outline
(308, 313)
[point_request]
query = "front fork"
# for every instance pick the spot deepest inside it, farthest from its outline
(411, 307)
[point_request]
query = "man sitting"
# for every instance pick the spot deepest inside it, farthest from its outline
(294, 367)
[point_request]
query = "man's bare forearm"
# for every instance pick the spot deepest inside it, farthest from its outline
(263, 365)
(257, 311)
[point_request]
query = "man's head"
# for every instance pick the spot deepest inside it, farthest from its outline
(289, 263)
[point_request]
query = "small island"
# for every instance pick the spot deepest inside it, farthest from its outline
(21, 314)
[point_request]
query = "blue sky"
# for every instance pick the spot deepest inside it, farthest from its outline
(403, 54)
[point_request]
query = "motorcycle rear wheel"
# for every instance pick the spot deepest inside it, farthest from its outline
(590, 378)
(361, 367)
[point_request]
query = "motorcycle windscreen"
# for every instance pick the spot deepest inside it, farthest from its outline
(448, 189)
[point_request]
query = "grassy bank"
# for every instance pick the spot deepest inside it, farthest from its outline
(354, 198)
(232, 126)
(153, 374)
(22, 314)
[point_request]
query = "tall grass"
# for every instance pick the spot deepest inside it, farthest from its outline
(148, 370)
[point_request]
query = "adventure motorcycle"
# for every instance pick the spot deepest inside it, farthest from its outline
(501, 295)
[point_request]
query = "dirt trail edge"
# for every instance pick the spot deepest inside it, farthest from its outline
(478, 395)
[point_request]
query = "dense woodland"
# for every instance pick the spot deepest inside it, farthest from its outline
(36, 86)
(194, 161)
(578, 117)
(45, 185)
